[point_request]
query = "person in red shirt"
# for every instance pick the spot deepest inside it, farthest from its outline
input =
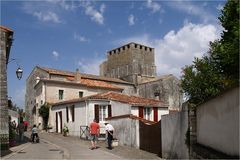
(94, 131)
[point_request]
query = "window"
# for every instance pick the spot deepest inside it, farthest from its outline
(80, 94)
(60, 94)
(102, 113)
(41, 101)
(147, 113)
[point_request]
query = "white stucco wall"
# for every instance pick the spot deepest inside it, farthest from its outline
(218, 123)
(69, 92)
(174, 127)
(134, 111)
(119, 108)
(161, 112)
(126, 131)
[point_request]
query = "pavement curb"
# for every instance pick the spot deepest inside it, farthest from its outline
(15, 150)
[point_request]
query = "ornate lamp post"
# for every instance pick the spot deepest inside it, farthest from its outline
(19, 71)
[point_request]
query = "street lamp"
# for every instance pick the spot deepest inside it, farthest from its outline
(19, 71)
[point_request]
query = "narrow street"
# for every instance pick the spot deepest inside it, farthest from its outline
(56, 146)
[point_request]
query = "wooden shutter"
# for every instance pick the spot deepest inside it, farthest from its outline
(109, 111)
(73, 113)
(67, 114)
(60, 115)
(155, 114)
(140, 112)
(56, 122)
(96, 112)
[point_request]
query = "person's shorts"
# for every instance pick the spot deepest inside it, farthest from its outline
(93, 137)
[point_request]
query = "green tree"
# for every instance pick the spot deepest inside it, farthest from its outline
(219, 69)
(44, 112)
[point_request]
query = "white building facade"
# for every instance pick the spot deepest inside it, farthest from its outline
(81, 112)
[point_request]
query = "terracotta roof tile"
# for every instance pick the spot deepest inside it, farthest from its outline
(97, 83)
(6, 29)
(133, 100)
(132, 117)
(83, 75)
(86, 82)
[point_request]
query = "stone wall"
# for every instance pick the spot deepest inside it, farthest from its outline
(168, 90)
(4, 54)
(128, 62)
(31, 94)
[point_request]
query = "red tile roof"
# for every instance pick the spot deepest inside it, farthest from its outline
(132, 117)
(71, 75)
(6, 29)
(133, 100)
(88, 83)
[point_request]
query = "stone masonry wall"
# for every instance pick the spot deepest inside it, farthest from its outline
(129, 61)
(4, 126)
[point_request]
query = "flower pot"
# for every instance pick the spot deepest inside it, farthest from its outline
(115, 142)
(64, 133)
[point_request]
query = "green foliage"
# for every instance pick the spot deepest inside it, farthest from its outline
(44, 112)
(219, 69)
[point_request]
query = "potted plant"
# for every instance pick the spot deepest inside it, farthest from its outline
(49, 128)
(65, 130)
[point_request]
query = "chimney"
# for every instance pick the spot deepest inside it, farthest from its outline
(77, 76)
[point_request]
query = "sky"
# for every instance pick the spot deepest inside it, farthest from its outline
(70, 34)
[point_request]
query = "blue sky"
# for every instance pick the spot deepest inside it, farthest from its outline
(77, 34)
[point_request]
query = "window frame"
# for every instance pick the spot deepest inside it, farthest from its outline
(60, 94)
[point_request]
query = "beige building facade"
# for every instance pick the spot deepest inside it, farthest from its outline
(45, 85)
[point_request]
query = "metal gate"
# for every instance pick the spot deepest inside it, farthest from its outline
(150, 137)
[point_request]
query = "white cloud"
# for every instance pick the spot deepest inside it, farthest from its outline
(219, 7)
(178, 48)
(47, 16)
(102, 8)
(80, 38)
(90, 66)
(131, 20)
(154, 6)
(64, 4)
(55, 55)
(193, 9)
(95, 15)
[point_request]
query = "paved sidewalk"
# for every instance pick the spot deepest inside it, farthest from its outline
(122, 152)
(56, 146)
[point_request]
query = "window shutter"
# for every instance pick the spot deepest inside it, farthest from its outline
(56, 122)
(109, 111)
(67, 114)
(140, 112)
(155, 114)
(73, 113)
(96, 112)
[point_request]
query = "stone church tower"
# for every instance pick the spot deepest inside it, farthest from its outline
(135, 63)
(132, 62)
